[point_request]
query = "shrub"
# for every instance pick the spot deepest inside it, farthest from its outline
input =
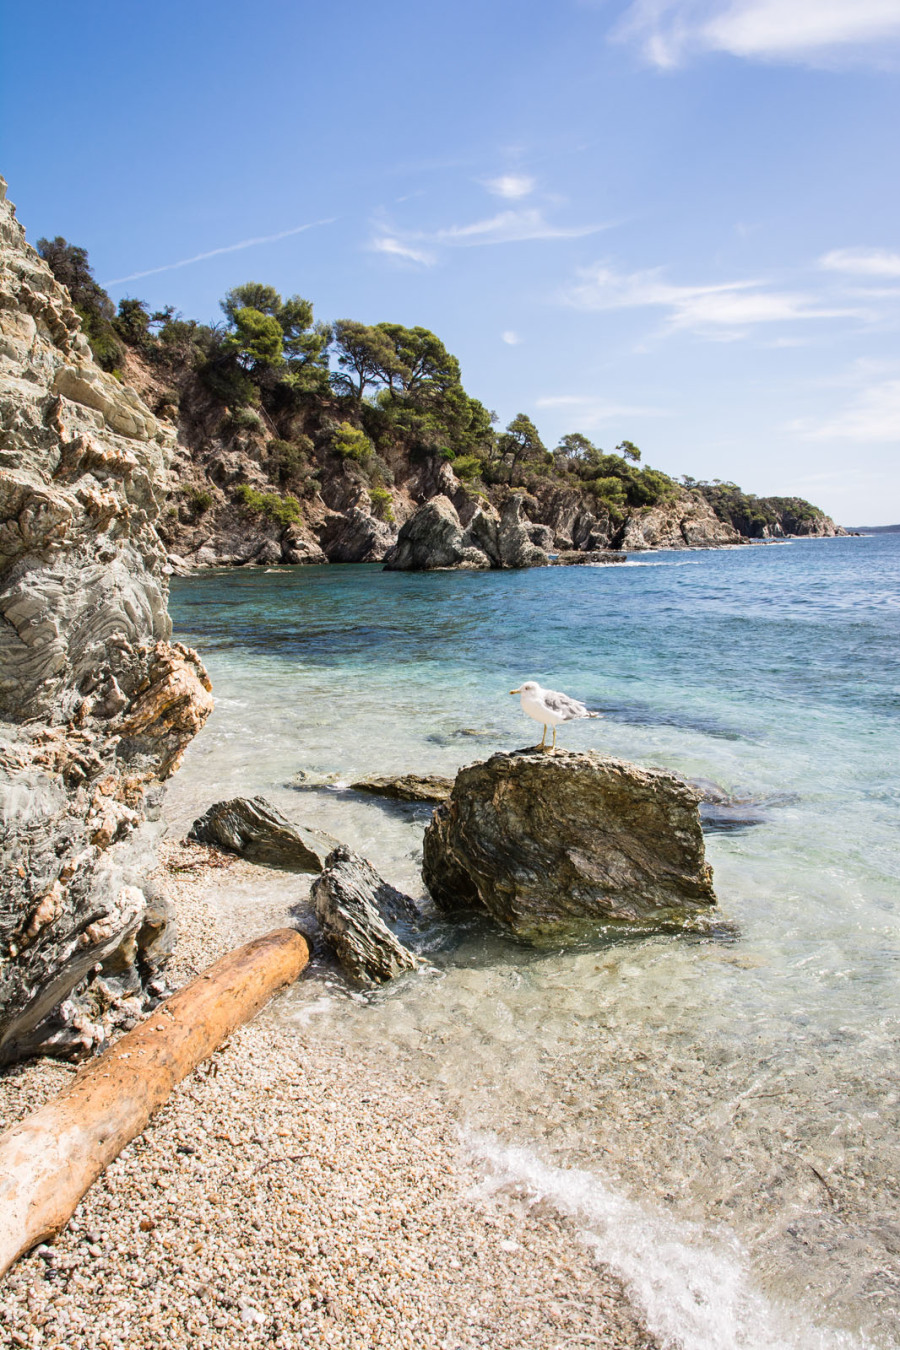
(382, 504)
(351, 443)
(199, 498)
(245, 419)
(289, 459)
(467, 467)
(283, 510)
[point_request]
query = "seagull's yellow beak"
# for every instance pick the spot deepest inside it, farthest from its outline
(515, 691)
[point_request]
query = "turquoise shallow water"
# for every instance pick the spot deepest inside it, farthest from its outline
(718, 1113)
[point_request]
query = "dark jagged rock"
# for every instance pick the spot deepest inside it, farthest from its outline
(96, 705)
(407, 787)
(257, 831)
(593, 558)
(554, 846)
(355, 908)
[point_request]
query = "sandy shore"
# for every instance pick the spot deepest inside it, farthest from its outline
(294, 1193)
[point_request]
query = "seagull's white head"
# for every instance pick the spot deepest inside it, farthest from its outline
(529, 687)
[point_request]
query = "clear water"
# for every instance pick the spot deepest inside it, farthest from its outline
(719, 1114)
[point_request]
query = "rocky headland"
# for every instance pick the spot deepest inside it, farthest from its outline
(299, 442)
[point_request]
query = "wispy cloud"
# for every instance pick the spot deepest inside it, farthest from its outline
(810, 31)
(395, 248)
(511, 227)
(215, 252)
(872, 416)
(862, 262)
(723, 310)
(510, 338)
(510, 185)
(592, 412)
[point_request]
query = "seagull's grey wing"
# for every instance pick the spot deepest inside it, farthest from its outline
(564, 706)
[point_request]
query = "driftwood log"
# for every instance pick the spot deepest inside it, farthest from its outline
(49, 1159)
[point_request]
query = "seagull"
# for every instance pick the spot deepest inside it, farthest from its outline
(551, 708)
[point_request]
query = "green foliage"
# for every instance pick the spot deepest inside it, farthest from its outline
(283, 510)
(245, 419)
(198, 498)
(352, 443)
(69, 264)
(132, 323)
(629, 450)
(303, 343)
(610, 491)
(255, 339)
(468, 468)
(519, 445)
(382, 503)
(756, 516)
(289, 459)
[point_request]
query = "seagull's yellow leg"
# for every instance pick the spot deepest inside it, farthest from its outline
(553, 746)
(540, 745)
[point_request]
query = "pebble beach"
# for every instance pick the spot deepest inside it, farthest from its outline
(295, 1192)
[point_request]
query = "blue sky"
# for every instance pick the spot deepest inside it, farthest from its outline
(668, 220)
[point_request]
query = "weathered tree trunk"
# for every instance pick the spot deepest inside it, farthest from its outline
(49, 1159)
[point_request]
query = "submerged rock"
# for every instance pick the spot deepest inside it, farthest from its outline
(593, 557)
(261, 834)
(355, 905)
(407, 787)
(553, 846)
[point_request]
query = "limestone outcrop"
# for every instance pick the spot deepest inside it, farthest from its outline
(688, 522)
(358, 912)
(556, 846)
(256, 830)
(96, 705)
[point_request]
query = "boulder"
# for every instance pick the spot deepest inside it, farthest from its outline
(356, 537)
(432, 539)
(257, 831)
(355, 906)
(557, 846)
(407, 787)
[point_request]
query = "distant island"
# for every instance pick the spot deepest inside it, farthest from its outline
(872, 529)
(299, 441)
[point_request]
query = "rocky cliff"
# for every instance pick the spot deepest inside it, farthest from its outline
(96, 705)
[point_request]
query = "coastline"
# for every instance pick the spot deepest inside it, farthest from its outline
(295, 1192)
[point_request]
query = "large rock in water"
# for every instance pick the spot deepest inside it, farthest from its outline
(257, 831)
(435, 538)
(96, 705)
(553, 846)
(355, 908)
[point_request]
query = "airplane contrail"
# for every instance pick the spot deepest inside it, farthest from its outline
(213, 252)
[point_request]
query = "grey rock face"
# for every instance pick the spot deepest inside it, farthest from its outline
(689, 522)
(257, 831)
(356, 537)
(435, 538)
(355, 906)
(407, 787)
(555, 846)
(96, 706)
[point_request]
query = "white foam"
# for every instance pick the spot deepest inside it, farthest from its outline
(695, 1290)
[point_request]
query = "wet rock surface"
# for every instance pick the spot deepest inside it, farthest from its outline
(591, 558)
(96, 705)
(256, 830)
(557, 846)
(407, 787)
(358, 911)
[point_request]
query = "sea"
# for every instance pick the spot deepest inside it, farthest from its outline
(716, 1111)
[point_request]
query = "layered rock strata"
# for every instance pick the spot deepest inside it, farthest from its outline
(436, 538)
(358, 912)
(256, 830)
(96, 705)
(554, 846)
